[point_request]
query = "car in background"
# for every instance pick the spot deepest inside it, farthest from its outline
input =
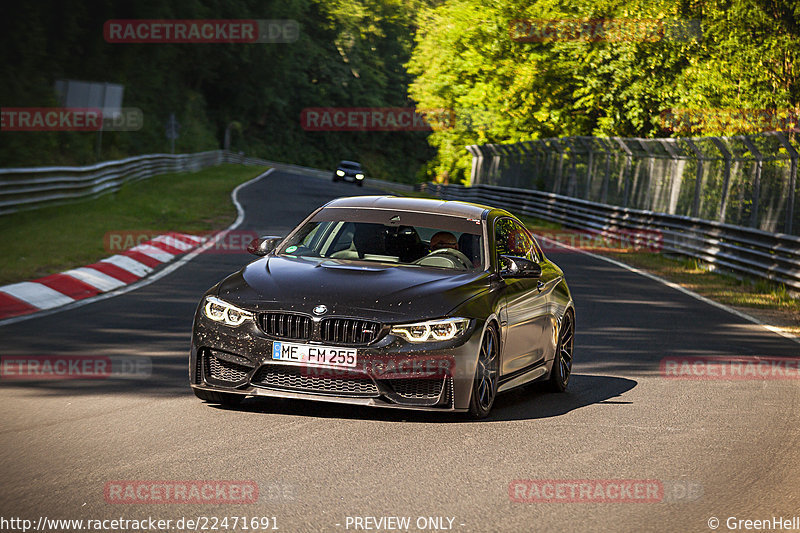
(392, 302)
(349, 171)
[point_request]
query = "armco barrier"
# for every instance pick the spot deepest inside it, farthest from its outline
(30, 188)
(749, 251)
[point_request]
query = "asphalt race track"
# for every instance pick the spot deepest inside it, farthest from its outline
(720, 448)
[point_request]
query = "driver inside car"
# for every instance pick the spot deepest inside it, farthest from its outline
(443, 239)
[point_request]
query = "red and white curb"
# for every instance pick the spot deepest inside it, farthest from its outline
(106, 275)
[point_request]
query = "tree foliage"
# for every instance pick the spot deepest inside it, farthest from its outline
(503, 90)
(350, 53)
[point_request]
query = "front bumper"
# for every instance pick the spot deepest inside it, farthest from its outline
(390, 373)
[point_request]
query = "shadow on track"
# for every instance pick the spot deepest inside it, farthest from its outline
(527, 403)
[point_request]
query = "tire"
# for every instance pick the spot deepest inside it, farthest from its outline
(335, 179)
(225, 399)
(487, 372)
(562, 363)
(360, 183)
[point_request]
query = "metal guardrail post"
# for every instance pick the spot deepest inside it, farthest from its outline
(756, 179)
(726, 180)
(698, 180)
(650, 167)
(494, 165)
(792, 191)
(606, 178)
(675, 184)
(587, 144)
(488, 161)
(572, 175)
(626, 176)
(477, 164)
(555, 143)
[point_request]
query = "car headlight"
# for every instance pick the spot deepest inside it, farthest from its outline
(340, 172)
(221, 311)
(359, 176)
(443, 329)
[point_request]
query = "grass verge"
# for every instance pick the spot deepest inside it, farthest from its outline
(44, 241)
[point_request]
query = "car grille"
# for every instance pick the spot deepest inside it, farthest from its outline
(198, 368)
(417, 388)
(222, 370)
(286, 325)
(349, 331)
(295, 378)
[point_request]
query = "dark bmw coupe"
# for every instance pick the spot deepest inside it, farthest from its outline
(349, 170)
(387, 301)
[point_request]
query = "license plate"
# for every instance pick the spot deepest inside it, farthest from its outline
(313, 355)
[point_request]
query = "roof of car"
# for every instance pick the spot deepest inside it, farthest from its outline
(420, 205)
(349, 163)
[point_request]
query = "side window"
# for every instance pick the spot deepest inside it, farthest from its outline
(512, 239)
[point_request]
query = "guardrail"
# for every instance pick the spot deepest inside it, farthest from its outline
(30, 188)
(743, 180)
(748, 251)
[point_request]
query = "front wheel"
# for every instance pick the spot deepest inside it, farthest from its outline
(562, 364)
(484, 386)
(225, 399)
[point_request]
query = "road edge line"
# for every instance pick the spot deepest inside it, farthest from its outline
(686, 291)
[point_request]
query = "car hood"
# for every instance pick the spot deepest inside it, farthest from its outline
(348, 288)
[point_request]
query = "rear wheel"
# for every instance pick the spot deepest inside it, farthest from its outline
(223, 398)
(484, 386)
(562, 364)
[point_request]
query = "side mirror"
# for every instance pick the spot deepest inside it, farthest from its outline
(519, 267)
(263, 245)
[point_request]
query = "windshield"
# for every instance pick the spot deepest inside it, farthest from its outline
(445, 245)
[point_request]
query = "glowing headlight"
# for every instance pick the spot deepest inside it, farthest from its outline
(221, 311)
(359, 176)
(340, 172)
(444, 329)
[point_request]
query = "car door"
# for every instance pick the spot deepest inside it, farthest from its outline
(526, 309)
